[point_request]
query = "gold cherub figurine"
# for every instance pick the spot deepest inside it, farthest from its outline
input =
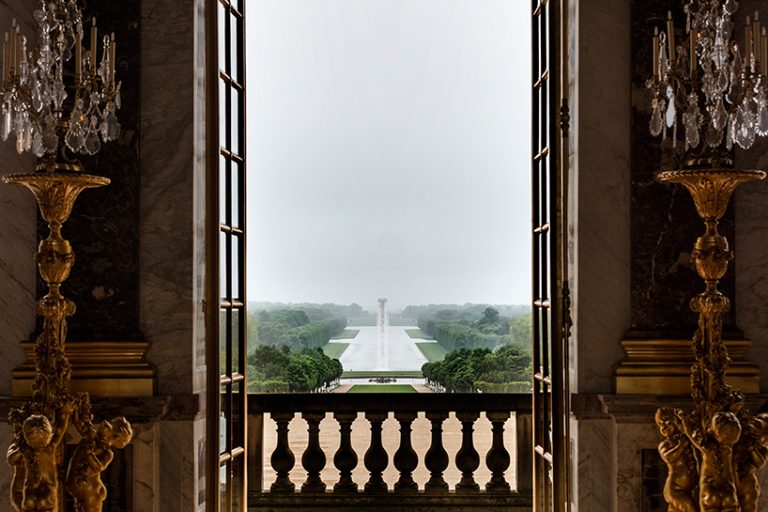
(91, 458)
(676, 452)
(717, 484)
(34, 460)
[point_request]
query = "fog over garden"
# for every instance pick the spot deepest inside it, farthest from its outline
(388, 152)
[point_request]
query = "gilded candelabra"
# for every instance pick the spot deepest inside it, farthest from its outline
(36, 107)
(716, 95)
(713, 452)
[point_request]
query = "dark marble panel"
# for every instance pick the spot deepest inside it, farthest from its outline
(664, 224)
(654, 476)
(104, 227)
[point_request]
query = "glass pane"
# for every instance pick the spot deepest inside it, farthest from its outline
(236, 199)
(223, 206)
(222, 19)
(223, 341)
(224, 486)
(236, 289)
(223, 264)
(237, 482)
(235, 120)
(223, 114)
(238, 400)
(223, 420)
(235, 339)
(235, 31)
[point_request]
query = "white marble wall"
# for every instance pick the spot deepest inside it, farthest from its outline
(18, 231)
(179, 484)
(173, 241)
(751, 249)
(18, 211)
(751, 269)
(592, 438)
(599, 251)
(629, 440)
(167, 190)
(146, 462)
(599, 213)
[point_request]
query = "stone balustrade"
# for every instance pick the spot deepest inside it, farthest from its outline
(494, 493)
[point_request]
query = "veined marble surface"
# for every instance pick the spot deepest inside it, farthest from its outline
(600, 210)
(199, 213)
(146, 467)
(179, 465)
(167, 185)
(18, 211)
(593, 485)
(751, 251)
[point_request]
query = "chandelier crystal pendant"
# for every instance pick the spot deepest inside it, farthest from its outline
(708, 93)
(44, 101)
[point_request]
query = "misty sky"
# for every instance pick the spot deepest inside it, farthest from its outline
(389, 151)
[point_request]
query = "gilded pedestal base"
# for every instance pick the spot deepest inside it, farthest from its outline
(101, 368)
(663, 367)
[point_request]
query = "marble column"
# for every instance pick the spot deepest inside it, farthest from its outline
(172, 232)
(18, 211)
(751, 249)
(599, 220)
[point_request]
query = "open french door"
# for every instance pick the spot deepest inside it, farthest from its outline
(225, 331)
(551, 474)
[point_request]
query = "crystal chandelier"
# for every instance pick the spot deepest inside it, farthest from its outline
(706, 89)
(39, 107)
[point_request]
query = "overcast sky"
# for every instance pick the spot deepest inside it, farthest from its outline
(389, 151)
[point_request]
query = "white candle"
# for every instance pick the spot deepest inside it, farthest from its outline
(655, 52)
(671, 38)
(112, 59)
(93, 46)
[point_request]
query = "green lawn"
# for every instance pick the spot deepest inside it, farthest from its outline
(334, 350)
(381, 388)
(418, 334)
(373, 373)
(348, 334)
(432, 351)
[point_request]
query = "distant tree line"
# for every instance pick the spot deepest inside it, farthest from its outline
(465, 328)
(281, 370)
(294, 328)
(505, 370)
(343, 310)
(471, 311)
(285, 349)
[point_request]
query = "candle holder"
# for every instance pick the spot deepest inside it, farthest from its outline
(713, 452)
(35, 107)
(716, 94)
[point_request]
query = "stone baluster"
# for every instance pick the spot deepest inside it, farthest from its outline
(376, 458)
(406, 459)
(436, 458)
(313, 458)
(467, 458)
(524, 454)
(497, 459)
(345, 458)
(282, 459)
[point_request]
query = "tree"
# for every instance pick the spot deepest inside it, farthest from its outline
(490, 316)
